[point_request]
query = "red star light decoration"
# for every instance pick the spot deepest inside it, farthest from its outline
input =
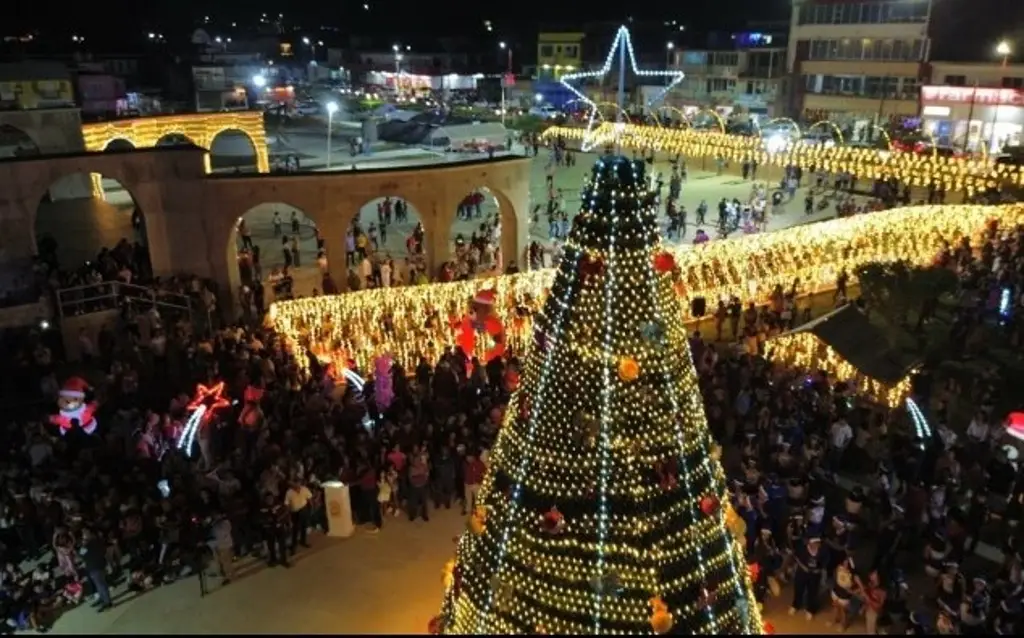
(623, 45)
(212, 398)
(205, 402)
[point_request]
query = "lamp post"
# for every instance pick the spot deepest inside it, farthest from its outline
(1003, 49)
(332, 107)
(669, 47)
(312, 45)
(508, 72)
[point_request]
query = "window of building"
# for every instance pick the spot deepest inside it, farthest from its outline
(891, 11)
(955, 80)
(715, 85)
(546, 51)
(910, 88)
(571, 50)
(1013, 83)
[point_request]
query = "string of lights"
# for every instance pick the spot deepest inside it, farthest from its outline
(420, 321)
(914, 169)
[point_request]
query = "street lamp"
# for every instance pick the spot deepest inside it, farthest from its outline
(259, 80)
(332, 107)
(1003, 49)
(669, 47)
(504, 80)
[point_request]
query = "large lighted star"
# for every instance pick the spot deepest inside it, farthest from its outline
(622, 39)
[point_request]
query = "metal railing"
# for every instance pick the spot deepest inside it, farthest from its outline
(108, 295)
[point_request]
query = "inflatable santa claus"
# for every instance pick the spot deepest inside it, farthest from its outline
(73, 407)
(482, 323)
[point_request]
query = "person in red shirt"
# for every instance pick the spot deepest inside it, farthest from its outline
(473, 475)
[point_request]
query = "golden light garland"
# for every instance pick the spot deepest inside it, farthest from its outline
(198, 128)
(914, 169)
(804, 351)
(421, 321)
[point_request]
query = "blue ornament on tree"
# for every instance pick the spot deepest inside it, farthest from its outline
(653, 333)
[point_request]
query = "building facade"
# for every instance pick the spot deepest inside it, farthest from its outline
(558, 53)
(35, 85)
(857, 63)
(977, 106)
(729, 81)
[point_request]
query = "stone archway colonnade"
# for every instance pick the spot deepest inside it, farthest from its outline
(191, 215)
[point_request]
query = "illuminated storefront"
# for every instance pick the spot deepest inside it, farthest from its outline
(973, 117)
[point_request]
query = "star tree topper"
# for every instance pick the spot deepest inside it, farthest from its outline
(622, 44)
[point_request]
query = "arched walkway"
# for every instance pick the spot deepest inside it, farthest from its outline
(15, 142)
(232, 150)
(258, 246)
(72, 226)
(475, 235)
(400, 232)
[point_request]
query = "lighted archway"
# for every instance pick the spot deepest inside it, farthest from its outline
(174, 139)
(14, 142)
(787, 121)
(477, 234)
(257, 248)
(401, 236)
(714, 115)
(832, 126)
(72, 226)
(618, 110)
(683, 120)
(233, 150)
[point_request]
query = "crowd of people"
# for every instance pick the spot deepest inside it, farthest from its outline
(100, 517)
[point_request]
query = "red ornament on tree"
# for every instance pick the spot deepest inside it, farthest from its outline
(591, 267)
(553, 522)
(435, 626)
(755, 571)
(664, 262)
(709, 504)
(769, 629)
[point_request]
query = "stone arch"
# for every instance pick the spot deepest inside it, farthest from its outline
(174, 138)
(225, 165)
(393, 241)
(81, 224)
(265, 246)
(16, 142)
(119, 144)
(513, 219)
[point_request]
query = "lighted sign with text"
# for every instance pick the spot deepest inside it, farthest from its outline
(968, 94)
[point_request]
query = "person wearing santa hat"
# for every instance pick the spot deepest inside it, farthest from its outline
(73, 408)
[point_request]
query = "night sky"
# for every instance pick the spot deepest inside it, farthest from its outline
(962, 28)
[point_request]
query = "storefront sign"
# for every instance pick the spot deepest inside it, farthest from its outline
(968, 94)
(936, 111)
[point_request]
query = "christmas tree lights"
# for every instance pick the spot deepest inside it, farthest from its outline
(600, 512)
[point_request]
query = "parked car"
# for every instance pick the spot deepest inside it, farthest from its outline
(545, 111)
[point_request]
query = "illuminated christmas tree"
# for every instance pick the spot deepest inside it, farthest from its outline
(605, 508)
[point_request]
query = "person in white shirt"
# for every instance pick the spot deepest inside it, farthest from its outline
(365, 271)
(978, 431)
(840, 435)
(385, 274)
(297, 499)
